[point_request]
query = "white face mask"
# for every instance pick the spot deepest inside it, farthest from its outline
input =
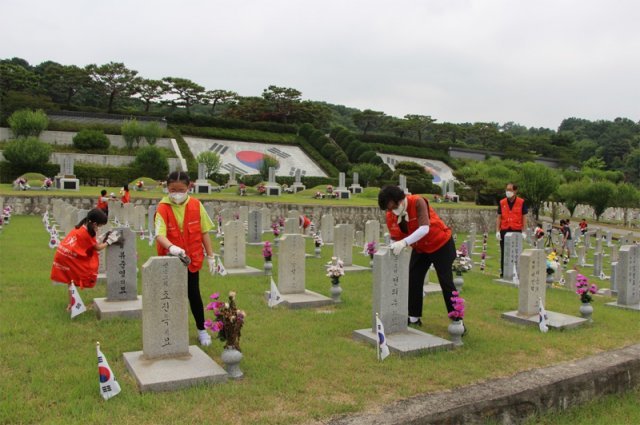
(401, 207)
(509, 194)
(178, 197)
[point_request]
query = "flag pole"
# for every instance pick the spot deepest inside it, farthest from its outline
(377, 338)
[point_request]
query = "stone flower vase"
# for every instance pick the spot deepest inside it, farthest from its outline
(317, 251)
(371, 260)
(231, 359)
(456, 329)
(335, 290)
(268, 266)
(586, 310)
(458, 281)
(549, 278)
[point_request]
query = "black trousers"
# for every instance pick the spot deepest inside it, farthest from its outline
(195, 300)
(419, 264)
(502, 233)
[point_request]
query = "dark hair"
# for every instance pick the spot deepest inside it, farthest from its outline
(126, 187)
(513, 185)
(389, 193)
(103, 192)
(94, 216)
(178, 176)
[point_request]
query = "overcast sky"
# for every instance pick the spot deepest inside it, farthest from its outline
(531, 62)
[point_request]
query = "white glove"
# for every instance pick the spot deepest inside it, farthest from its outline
(524, 236)
(113, 238)
(397, 247)
(498, 236)
(176, 251)
(212, 264)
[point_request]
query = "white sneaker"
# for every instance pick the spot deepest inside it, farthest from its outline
(204, 337)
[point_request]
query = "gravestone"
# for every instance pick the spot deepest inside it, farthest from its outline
(609, 238)
(512, 250)
(291, 275)
(227, 215)
(293, 214)
(613, 278)
(122, 279)
(390, 302)
(372, 231)
(166, 361)
(272, 188)
(255, 227)
(597, 264)
(402, 183)
(266, 219)
(297, 185)
(67, 180)
(341, 190)
(151, 214)
(359, 238)
(235, 250)
(232, 177)
(628, 278)
(581, 255)
(243, 213)
(531, 290)
(570, 280)
(202, 185)
(291, 226)
(327, 225)
(598, 243)
(355, 187)
(140, 214)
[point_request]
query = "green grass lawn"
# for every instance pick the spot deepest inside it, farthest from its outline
(299, 365)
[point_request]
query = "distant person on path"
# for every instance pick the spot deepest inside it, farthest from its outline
(412, 222)
(512, 217)
(182, 229)
(103, 203)
(126, 196)
(566, 237)
(583, 226)
(76, 258)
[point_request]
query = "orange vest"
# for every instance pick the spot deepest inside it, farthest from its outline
(304, 221)
(190, 239)
(76, 259)
(102, 204)
(439, 234)
(511, 218)
(126, 197)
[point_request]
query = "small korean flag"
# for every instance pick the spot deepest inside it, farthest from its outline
(383, 349)
(542, 317)
(77, 306)
(274, 295)
(109, 387)
(220, 268)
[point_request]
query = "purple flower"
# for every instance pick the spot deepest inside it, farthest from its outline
(217, 326)
(208, 324)
(215, 295)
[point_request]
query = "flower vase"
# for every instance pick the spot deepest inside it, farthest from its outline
(336, 290)
(268, 266)
(371, 261)
(586, 310)
(231, 359)
(276, 241)
(456, 329)
(549, 278)
(317, 251)
(458, 281)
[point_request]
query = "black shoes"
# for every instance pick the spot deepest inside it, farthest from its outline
(418, 323)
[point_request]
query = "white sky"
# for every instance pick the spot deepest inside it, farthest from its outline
(532, 62)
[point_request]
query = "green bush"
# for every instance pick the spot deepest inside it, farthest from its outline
(28, 154)
(151, 161)
(104, 175)
(246, 135)
(28, 123)
(151, 131)
(305, 130)
(327, 166)
(132, 132)
(9, 172)
(251, 179)
(91, 140)
(197, 120)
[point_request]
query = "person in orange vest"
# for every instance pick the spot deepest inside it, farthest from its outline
(512, 217)
(76, 258)
(126, 197)
(182, 229)
(304, 222)
(413, 222)
(103, 203)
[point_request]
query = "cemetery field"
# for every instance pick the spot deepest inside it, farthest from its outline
(300, 366)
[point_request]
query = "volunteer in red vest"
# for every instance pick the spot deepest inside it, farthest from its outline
(103, 203)
(412, 222)
(512, 217)
(76, 258)
(182, 229)
(304, 222)
(126, 196)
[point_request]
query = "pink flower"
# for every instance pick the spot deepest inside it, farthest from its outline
(217, 326)
(208, 324)
(209, 306)
(215, 295)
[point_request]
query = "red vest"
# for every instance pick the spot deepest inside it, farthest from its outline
(76, 259)
(439, 234)
(304, 221)
(102, 203)
(190, 239)
(511, 218)
(126, 197)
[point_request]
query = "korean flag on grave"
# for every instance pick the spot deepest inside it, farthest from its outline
(383, 349)
(274, 295)
(220, 268)
(109, 387)
(542, 317)
(77, 306)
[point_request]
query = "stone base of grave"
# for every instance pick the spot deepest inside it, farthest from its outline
(506, 282)
(173, 373)
(554, 320)
(246, 271)
(411, 342)
(356, 268)
(123, 309)
(308, 299)
(102, 277)
(626, 307)
(431, 288)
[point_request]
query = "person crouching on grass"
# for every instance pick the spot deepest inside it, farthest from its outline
(76, 259)
(182, 229)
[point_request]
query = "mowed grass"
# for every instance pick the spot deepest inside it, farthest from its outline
(300, 365)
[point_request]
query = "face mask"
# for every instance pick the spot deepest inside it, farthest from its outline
(400, 210)
(178, 197)
(509, 194)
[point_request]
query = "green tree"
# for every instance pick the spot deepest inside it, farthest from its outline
(536, 184)
(367, 172)
(211, 161)
(418, 179)
(150, 90)
(132, 132)
(368, 120)
(88, 139)
(151, 131)
(151, 162)
(17, 78)
(26, 123)
(113, 80)
(267, 162)
(632, 166)
(626, 196)
(282, 100)
(572, 194)
(487, 179)
(215, 97)
(62, 82)
(186, 91)
(598, 195)
(28, 154)
(418, 123)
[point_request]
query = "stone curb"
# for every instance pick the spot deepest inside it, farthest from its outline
(512, 400)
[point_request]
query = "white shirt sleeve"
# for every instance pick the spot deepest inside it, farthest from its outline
(420, 233)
